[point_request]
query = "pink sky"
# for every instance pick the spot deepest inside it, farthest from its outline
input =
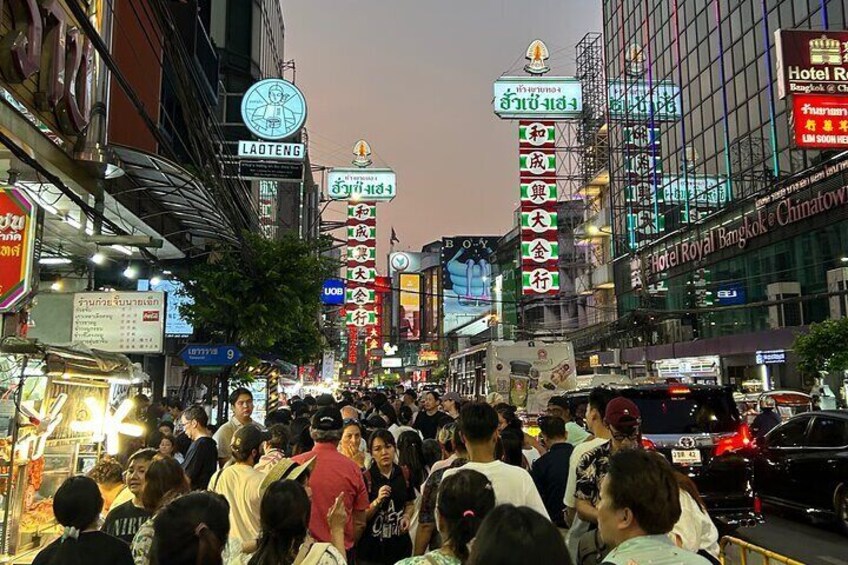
(415, 79)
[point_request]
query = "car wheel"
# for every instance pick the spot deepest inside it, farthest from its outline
(842, 509)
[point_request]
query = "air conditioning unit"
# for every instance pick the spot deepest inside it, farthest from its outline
(785, 314)
(837, 281)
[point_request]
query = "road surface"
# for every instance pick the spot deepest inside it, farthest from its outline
(813, 543)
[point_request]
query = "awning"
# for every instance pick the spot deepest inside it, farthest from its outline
(177, 192)
(70, 361)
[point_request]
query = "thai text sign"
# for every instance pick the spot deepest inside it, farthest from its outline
(643, 101)
(538, 97)
(17, 238)
(123, 322)
(811, 62)
(820, 121)
(362, 184)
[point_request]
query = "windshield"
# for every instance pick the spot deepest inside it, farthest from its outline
(711, 412)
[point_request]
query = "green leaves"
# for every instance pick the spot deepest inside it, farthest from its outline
(265, 296)
(823, 348)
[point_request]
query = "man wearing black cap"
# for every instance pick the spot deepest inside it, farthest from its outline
(241, 484)
(623, 419)
(334, 474)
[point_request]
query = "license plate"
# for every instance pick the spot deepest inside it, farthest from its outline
(685, 456)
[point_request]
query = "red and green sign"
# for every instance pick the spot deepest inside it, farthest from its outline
(17, 238)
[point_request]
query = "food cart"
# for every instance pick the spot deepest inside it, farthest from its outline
(55, 421)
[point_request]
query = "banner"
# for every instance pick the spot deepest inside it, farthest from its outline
(410, 307)
(17, 246)
(466, 279)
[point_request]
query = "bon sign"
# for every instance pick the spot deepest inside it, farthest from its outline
(333, 292)
(17, 235)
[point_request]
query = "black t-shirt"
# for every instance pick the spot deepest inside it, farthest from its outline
(383, 541)
(201, 462)
(94, 548)
(429, 425)
(124, 520)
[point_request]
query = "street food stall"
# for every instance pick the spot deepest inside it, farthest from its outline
(58, 415)
(787, 403)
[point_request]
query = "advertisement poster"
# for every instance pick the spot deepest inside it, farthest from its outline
(466, 279)
(120, 322)
(17, 236)
(532, 375)
(175, 324)
(410, 306)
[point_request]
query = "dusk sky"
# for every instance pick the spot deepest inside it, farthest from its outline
(415, 80)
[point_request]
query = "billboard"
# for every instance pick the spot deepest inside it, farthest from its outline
(530, 375)
(120, 322)
(374, 185)
(538, 98)
(820, 121)
(409, 317)
(644, 101)
(17, 240)
(466, 279)
(811, 62)
(175, 324)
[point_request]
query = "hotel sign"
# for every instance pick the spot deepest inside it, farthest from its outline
(811, 62)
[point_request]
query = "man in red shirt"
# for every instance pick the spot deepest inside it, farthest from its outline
(333, 474)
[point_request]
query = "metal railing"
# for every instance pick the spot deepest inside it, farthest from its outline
(734, 551)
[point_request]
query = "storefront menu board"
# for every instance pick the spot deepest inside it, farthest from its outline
(120, 322)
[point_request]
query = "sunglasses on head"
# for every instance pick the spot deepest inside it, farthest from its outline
(351, 422)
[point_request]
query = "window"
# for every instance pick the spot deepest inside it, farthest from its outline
(790, 434)
(828, 432)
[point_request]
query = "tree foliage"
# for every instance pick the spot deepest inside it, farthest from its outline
(265, 296)
(823, 348)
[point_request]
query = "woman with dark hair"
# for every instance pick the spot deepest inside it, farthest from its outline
(464, 501)
(191, 530)
(76, 506)
(165, 480)
(432, 453)
(511, 444)
(284, 516)
(299, 439)
(517, 534)
(168, 448)
(695, 529)
(386, 538)
(508, 419)
(410, 450)
(388, 413)
(351, 440)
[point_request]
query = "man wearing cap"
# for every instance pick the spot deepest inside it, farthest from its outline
(333, 474)
(451, 404)
(240, 483)
(559, 407)
(622, 418)
(241, 406)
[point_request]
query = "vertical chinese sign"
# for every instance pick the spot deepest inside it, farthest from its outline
(537, 176)
(643, 178)
(17, 244)
(360, 294)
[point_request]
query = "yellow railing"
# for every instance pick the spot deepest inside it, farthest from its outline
(740, 550)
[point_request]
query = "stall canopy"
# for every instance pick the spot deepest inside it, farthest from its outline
(72, 361)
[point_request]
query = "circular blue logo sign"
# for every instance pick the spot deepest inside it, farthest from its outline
(273, 109)
(333, 292)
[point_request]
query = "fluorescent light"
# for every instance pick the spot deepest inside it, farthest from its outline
(56, 286)
(122, 248)
(130, 272)
(98, 258)
(844, 259)
(54, 261)
(155, 280)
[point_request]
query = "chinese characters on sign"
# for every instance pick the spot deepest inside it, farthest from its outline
(643, 177)
(17, 239)
(360, 300)
(820, 121)
(537, 179)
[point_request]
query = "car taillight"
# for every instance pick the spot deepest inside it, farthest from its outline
(758, 505)
(648, 444)
(736, 442)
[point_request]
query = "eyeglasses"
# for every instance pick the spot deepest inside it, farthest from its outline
(618, 436)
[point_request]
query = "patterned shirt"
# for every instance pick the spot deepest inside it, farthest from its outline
(654, 550)
(591, 470)
(432, 558)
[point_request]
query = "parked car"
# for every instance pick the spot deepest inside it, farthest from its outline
(802, 464)
(699, 429)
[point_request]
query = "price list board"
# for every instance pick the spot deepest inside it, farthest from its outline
(120, 322)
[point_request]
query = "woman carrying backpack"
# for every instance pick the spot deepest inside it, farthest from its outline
(386, 538)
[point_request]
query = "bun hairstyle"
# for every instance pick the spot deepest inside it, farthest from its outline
(191, 530)
(76, 505)
(464, 500)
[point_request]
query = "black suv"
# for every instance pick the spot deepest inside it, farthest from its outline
(803, 465)
(698, 428)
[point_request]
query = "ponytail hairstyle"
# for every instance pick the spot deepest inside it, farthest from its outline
(191, 530)
(465, 498)
(76, 505)
(284, 516)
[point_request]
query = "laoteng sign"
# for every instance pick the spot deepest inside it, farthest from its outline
(371, 185)
(538, 98)
(273, 109)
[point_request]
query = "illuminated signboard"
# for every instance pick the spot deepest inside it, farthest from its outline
(374, 185)
(640, 100)
(811, 62)
(17, 240)
(538, 97)
(820, 121)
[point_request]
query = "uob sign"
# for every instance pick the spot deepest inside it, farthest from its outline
(43, 41)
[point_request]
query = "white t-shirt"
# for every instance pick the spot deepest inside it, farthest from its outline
(513, 485)
(575, 434)
(240, 485)
(695, 528)
(579, 451)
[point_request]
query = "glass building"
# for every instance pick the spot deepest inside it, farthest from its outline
(701, 164)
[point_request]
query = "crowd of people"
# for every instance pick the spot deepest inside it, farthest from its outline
(384, 478)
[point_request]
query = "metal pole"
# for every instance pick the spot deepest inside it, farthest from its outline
(19, 394)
